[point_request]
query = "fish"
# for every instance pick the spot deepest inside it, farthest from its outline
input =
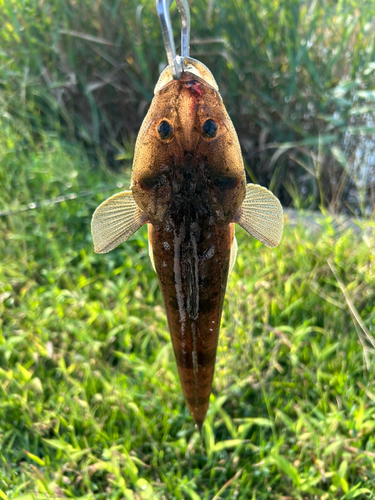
(188, 184)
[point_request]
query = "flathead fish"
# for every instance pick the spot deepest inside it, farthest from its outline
(188, 184)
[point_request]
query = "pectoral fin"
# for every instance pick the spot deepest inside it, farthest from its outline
(261, 215)
(151, 253)
(233, 254)
(115, 220)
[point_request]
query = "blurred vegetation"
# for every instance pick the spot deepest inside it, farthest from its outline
(297, 78)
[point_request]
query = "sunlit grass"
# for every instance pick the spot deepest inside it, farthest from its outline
(90, 401)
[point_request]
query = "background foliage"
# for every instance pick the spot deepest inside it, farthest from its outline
(90, 402)
(297, 78)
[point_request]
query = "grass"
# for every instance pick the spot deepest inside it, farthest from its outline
(90, 402)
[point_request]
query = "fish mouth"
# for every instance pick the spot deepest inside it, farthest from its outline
(192, 69)
(194, 86)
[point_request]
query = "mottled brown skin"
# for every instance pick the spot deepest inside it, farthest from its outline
(190, 187)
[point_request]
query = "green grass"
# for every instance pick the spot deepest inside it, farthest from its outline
(90, 402)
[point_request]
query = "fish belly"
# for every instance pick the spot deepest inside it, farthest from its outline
(192, 266)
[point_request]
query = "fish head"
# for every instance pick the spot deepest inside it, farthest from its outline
(187, 147)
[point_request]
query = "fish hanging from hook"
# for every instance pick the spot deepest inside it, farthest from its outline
(188, 184)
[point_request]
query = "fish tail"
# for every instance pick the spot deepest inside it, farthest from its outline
(196, 378)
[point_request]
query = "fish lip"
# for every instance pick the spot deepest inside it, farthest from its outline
(192, 66)
(187, 78)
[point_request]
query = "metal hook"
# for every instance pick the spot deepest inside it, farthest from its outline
(176, 63)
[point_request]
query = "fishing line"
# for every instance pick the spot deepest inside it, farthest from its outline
(58, 199)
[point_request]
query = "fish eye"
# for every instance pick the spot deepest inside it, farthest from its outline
(165, 130)
(209, 129)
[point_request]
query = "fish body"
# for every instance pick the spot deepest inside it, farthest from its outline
(192, 271)
(190, 194)
(188, 183)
